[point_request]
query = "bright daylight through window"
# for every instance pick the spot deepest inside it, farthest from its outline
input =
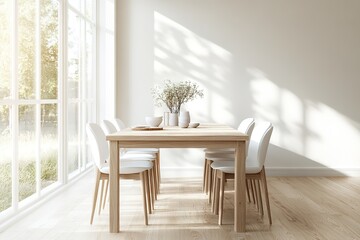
(47, 94)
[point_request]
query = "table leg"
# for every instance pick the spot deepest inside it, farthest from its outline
(114, 209)
(240, 190)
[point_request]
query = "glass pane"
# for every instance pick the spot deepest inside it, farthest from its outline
(89, 82)
(5, 53)
(26, 66)
(73, 55)
(49, 144)
(49, 48)
(75, 4)
(73, 137)
(5, 158)
(90, 114)
(89, 8)
(27, 146)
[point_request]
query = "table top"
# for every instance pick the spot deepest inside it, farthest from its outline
(204, 132)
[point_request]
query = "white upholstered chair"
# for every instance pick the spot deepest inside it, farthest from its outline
(255, 171)
(119, 125)
(217, 154)
(151, 154)
(128, 169)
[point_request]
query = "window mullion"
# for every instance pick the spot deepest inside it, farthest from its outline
(14, 122)
(38, 96)
(62, 85)
(82, 84)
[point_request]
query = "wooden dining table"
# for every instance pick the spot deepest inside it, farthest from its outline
(204, 136)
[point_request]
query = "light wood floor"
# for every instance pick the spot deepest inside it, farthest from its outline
(302, 208)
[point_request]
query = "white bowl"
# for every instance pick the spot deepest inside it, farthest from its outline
(194, 125)
(153, 121)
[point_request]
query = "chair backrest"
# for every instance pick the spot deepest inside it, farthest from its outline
(247, 126)
(259, 143)
(118, 124)
(108, 127)
(98, 144)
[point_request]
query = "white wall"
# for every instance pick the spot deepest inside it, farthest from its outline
(294, 63)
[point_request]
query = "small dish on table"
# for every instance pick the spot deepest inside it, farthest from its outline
(194, 125)
(145, 128)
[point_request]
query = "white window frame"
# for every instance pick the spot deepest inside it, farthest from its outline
(18, 209)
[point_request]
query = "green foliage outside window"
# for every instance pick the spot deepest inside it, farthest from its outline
(26, 88)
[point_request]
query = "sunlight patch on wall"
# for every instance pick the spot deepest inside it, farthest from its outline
(180, 55)
(311, 129)
(333, 139)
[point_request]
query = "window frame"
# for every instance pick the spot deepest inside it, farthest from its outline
(13, 102)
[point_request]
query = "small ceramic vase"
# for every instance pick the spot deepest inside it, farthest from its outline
(173, 119)
(184, 119)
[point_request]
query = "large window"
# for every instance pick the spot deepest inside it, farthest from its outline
(81, 76)
(44, 107)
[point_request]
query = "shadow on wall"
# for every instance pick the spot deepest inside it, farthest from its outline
(285, 167)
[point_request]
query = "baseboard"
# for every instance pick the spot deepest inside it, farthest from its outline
(184, 172)
(312, 172)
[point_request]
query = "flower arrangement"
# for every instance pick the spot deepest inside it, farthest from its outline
(174, 94)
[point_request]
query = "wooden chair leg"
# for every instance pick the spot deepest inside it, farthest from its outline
(106, 190)
(247, 190)
(216, 194)
(155, 178)
(158, 170)
(97, 182)
(260, 204)
(148, 196)
(266, 194)
(204, 175)
(213, 193)
(211, 181)
(252, 190)
(101, 194)
(157, 173)
(152, 187)
(144, 191)
(209, 177)
(221, 198)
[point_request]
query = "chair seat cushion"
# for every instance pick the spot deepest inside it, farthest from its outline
(211, 156)
(137, 156)
(228, 166)
(130, 167)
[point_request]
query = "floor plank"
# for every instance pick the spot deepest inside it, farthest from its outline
(302, 208)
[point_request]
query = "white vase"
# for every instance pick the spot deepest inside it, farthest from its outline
(173, 119)
(184, 119)
(166, 119)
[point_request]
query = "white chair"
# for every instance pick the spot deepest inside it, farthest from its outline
(119, 125)
(136, 154)
(128, 169)
(216, 154)
(255, 170)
